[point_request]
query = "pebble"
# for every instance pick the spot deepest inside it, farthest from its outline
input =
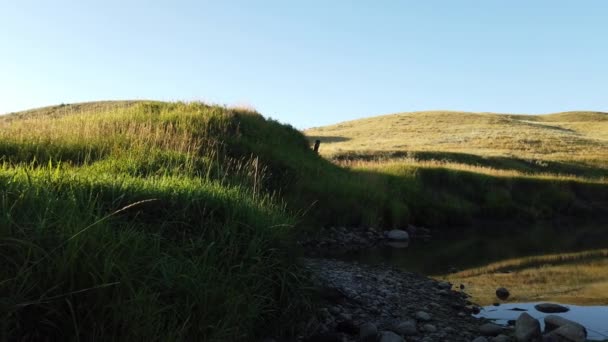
(423, 316)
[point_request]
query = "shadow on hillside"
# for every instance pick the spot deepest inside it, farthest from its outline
(496, 162)
(326, 139)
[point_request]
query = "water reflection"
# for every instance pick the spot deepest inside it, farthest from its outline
(462, 248)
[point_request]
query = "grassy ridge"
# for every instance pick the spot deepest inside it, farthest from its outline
(132, 222)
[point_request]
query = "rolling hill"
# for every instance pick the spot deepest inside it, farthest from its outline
(580, 137)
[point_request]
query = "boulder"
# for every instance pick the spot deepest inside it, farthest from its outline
(568, 333)
(550, 308)
(527, 328)
(368, 332)
(398, 235)
(502, 293)
(490, 329)
(389, 336)
(553, 322)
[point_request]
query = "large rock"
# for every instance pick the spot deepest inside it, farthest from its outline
(368, 332)
(502, 293)
(490, 329)
(568, 333)
(527, 328)
(407, 328)
(480, 339)
(553, 322)
(550, 308)
(389, 336)
(398, 235)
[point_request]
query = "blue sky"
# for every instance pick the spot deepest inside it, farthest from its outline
(309, 63)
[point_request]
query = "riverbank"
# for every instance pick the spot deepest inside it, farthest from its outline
(361, 301)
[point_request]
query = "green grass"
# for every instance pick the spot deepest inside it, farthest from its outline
(132, 223)
(175, 221)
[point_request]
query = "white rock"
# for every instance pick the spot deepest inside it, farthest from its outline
(398, 235)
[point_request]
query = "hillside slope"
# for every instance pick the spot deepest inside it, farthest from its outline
(571, 136)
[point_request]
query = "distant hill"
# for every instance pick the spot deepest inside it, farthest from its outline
(581, 136)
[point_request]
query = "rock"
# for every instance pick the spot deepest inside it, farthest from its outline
(569, 333)
(501, 338)
(473, 309)
(480, 339)
(368, 332)
(429, 328)
(389, 336)
(550, 308)
(347, 327)
(345, 316)
(490, 329)
(444, 285)
(398, 235)
(423, 316)
(527, 328)
(407, 328)
(502, 293)
(553, 322)
(325, 337)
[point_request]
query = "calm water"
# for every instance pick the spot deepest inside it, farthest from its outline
(594, 318)
(463, 248)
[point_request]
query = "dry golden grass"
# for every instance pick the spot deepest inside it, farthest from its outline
(580, 137)
(577, 278)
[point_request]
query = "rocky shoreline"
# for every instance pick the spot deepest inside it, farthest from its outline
(379, 303)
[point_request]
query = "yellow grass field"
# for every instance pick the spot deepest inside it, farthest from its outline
(575, 137)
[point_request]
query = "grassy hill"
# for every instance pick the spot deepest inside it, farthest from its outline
(175, 221)
(566, 143)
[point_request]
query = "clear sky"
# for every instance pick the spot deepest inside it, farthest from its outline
(309, 62)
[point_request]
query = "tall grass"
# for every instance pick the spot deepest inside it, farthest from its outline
(134, 223)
